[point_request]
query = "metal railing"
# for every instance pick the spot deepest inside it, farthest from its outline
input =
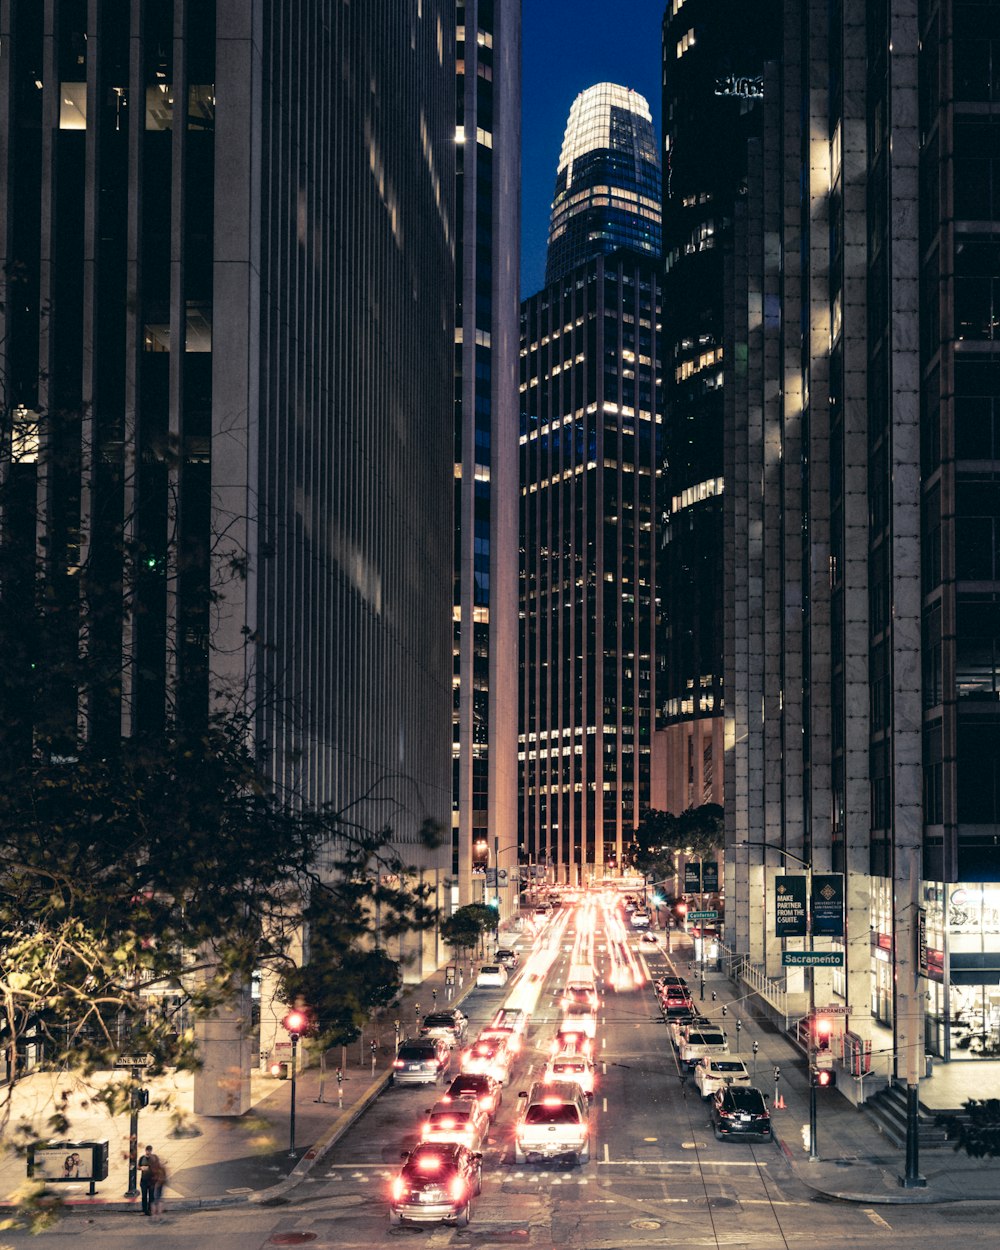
(770, 989)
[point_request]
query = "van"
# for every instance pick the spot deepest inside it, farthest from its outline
(553, 1122)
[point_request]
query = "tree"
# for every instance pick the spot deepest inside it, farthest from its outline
(464, 929)
(977, 1131)
(654, 839)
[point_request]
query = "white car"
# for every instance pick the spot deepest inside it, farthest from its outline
(459, 1120)
(579, 1022)
(492, 975)
(703, 1044)
(640, 919)
(575, 1066)
(489, 1055)
(713, 1073)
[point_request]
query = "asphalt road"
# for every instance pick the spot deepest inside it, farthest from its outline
(656, 1178)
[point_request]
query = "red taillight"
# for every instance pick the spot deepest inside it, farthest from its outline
(486, 1104)
(456, 1189)
(397, 1063)
(399, 1189)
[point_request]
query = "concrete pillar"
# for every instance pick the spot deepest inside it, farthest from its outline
(222, 1084)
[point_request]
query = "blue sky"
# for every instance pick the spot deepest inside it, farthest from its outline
(567, 46)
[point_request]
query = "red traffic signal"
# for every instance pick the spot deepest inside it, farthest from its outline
(823, 1028)
(296, 1022)
(681, 909)
(823, 1078)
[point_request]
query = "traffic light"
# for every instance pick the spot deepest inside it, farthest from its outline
(296, 1022)
(823, 1078)
(681, 909)
(823, 1028)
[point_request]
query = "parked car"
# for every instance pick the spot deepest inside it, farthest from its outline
(421, 1061)
(680, 1026)
(460, 1120)
(507, 956)
(553, 1122)
(436, 1185)
(712, 1074)
(492, 975)
(698, 1044)
(740, 1111)
(450, 1026)
(480, 1087)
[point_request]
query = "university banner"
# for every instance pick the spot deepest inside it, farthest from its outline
(790, 906)
(710, 876)
(827, 904)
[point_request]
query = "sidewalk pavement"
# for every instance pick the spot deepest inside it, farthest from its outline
(223, 1162)
(856, 1162)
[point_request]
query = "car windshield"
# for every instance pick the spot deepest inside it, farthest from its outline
(449, 1118)
(727, 1067)
(416, 1051)
(557, 1113)
(706, 1039)
(438, 1022)
(490, 968)
(474, 1085)
(430, 1161)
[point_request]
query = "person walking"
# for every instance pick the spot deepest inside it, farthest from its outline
(148, 1163)
(159, 1180)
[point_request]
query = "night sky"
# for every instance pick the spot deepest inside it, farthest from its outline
(568, 46)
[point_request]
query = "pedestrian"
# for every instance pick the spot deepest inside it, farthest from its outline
(159, 1180)
(148, 1162)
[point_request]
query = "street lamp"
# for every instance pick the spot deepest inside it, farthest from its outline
(811, 1050)
(499, 850)
(296, 1022)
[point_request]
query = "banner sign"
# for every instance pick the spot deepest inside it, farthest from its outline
(923, 961)
(789, 906)
(692, 878)
(710, 876)
(828, 904)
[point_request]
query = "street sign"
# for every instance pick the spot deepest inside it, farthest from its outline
(703, 915)
(834, 1009)
(790, 906)
(812, 959)
(134, 1061)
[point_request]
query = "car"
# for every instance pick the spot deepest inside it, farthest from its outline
(647, 937)
(570, 1038)
(437, 1182)
(740, 1111)
(460, 1120)
(702, 1042)
(492, 975)
(480, 1087)
(712, 1074)
(553, 1122)
(489, 1055)
(581, 988)
(680, 1026)
(671, 979)
(421, 1061)
(575, 1066)
(640, 919)
(450, 1026)
(507, 956)
(510, 1024)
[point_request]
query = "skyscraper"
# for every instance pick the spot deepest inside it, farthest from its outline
(590, 405)
(484, 747)
(607, 193)
(226, 234)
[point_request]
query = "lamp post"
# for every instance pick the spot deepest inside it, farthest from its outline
(811, 1050)
(499, 850)
(295, 1022)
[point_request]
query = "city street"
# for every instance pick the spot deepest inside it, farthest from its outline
(656, 1176)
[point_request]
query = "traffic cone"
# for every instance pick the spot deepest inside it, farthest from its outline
(780, 1104)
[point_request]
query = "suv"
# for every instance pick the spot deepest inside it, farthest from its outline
(479, 1087)
(574, 1066)
(507, 956)
(552, 1123)
(450, 1026)
(420, 1061)
(700, 1043)
(436, 1185)
(740, 1111)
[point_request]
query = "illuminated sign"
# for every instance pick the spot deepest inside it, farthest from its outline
(743, 87)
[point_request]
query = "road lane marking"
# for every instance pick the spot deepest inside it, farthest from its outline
(876, 1219)
(676, 1163)
(604, 1101)
(606, 1159)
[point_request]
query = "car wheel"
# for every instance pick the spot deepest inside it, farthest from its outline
(462, 1219)
(584, 1155)
(519, 1155)
(718, 1135)
(479, 1182)
(395, 1219)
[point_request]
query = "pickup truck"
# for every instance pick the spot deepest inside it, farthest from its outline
(698, 1045)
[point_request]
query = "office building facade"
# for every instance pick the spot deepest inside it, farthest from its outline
(713, 60)
(228, 245)
(862, 454)
(590, 433)
(484, 746)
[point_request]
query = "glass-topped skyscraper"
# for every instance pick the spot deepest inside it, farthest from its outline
(607, 192)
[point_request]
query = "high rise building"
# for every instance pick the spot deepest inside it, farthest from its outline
(590, 422)
(227, 232)
(713, 64)
(488, 154)
(607, 193)
(862, 672)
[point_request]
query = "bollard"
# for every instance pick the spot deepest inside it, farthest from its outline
(340, 1087)
(753, 1050)
(374, 1049)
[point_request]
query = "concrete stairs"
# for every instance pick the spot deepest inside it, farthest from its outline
(887, 1109)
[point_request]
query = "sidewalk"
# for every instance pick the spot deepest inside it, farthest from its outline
(222, 1162)
(856, 1163)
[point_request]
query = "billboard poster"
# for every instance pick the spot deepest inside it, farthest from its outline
(790, 906)
(692, 878)
(827, 904)
(710, 876)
